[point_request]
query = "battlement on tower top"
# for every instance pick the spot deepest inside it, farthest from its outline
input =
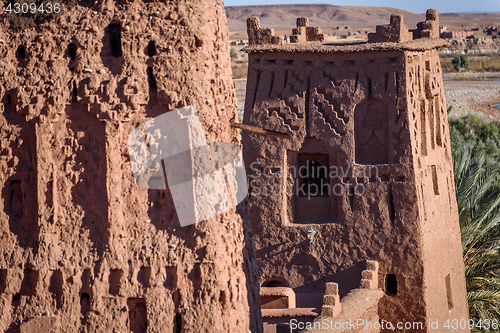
(394, 36)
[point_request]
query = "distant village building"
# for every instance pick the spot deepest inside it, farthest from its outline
(444, 33)
(240, 42)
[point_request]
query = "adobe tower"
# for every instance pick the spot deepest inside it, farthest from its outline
(83, 248)
(367, 166)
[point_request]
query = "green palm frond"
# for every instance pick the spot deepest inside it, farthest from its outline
(478, 199)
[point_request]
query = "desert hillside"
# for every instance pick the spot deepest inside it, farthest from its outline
(323, 15)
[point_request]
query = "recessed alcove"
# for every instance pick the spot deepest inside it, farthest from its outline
(313, 198)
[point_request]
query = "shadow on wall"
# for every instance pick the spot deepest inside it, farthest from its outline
(161, 209)
(250, 268)
(89, 192)
(20, 190)
(347, 279)
(111, 53)
(14, 328)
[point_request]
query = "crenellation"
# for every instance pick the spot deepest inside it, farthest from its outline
(258, 35)
(305, 33)
(430, 27)
(369, 277)
(396, 31)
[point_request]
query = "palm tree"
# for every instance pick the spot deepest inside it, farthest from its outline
(478, 199)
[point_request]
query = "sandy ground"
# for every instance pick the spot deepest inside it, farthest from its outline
(463, 96)
(475, 96)
(241, 88)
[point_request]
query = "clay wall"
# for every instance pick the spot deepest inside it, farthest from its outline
(456, 34)
(322, 101)
(83, 248)
(374, 116)
(436, 196)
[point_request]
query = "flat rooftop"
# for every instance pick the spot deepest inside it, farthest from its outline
(421, 44)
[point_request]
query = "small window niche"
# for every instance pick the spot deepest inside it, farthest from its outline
(21, 52)
(313, 175)
(114, 34)
(151, 49)
(391, 285)
(435, 183)
(153, 87)
(449, 296)
(274, 283)
(72, 51)
(313, 200)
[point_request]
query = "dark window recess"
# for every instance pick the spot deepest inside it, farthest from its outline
(74, 93)
(152, 48)
(313, 175)
(435, 180)
(29, 283)
(3, 280)
(391, 285)
(72, 51)
(115, 276)
(153, 88)
(449, 297)
(350, 193)
(144, 276)
(138, 315)
(274, 283)
(56, 287)
(171, 280)
(16, 300)
(283, 328)
(178, 323)
(114, 31)
(84, 305)
(85, 298)
(21, 52)
(16, 199)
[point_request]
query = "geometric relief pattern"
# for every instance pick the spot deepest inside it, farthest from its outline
(279, 92)
(326, 99)
(319, 98)
(371, 133)
(426, 101)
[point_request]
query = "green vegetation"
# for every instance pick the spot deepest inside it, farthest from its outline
(476, 150)
(460, 62)
(485, 65)
(233, 54)
(477, 135)
(479, 63)
(478, 200)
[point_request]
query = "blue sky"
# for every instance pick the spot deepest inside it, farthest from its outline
(418, 6)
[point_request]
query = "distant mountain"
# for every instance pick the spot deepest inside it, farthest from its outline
(323, 15)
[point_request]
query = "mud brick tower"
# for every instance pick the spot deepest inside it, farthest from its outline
(83, 248)
(368, 127)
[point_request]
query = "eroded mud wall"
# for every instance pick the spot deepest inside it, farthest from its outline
(82, 246)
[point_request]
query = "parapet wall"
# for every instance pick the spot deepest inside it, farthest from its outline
(396, 31)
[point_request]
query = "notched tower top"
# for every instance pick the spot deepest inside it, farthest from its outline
(311, 39)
